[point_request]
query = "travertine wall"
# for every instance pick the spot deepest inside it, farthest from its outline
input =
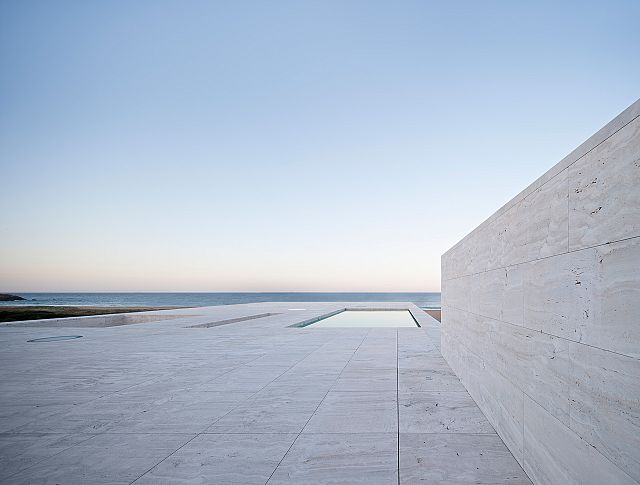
(541, 314)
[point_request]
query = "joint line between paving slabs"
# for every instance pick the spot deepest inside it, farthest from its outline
(398, 402)
(314, 411)
(230, 411)
(93, 435)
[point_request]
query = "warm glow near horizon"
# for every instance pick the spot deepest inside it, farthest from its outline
(324, 146)
(332, 266)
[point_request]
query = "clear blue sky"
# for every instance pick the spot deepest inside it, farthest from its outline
(329, 145)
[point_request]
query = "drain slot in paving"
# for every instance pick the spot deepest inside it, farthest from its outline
(233, 320)
(55, 339)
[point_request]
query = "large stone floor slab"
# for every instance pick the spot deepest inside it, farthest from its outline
(364, 458)
(441, 412)
(457, 459)
(103, 459)
(251, 401)
(222, 459)
(356, 412)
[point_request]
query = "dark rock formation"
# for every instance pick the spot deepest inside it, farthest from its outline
(5, 297)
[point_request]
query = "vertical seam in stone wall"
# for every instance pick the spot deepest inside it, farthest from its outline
(523, 438)
(568, 209)
(523, 279)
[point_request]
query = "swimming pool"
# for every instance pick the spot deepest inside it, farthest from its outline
(367, 318)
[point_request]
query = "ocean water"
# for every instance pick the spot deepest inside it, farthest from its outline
(423, 300)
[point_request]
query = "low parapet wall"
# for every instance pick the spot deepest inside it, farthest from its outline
(541, 314)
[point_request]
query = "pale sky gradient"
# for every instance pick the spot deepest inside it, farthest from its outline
(267, 146)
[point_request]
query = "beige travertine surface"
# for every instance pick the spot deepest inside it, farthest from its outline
(251, 401)
(540, 314)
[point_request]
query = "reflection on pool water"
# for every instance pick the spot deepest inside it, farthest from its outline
(368, 318)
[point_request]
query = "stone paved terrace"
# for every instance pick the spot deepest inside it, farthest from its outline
(250, 401)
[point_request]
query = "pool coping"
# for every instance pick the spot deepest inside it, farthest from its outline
(311, 321)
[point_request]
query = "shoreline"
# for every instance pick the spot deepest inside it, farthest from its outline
(16, 313)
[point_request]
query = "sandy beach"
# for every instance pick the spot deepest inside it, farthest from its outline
(437, 314)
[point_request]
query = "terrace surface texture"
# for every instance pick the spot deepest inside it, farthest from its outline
(249, 400)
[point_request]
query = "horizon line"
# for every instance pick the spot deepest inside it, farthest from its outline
(215, 291)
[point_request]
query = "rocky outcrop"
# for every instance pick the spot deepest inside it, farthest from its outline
(6, 297)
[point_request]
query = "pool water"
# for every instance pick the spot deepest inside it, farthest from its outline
(368, 318)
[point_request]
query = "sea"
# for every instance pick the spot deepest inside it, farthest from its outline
(423, 300)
